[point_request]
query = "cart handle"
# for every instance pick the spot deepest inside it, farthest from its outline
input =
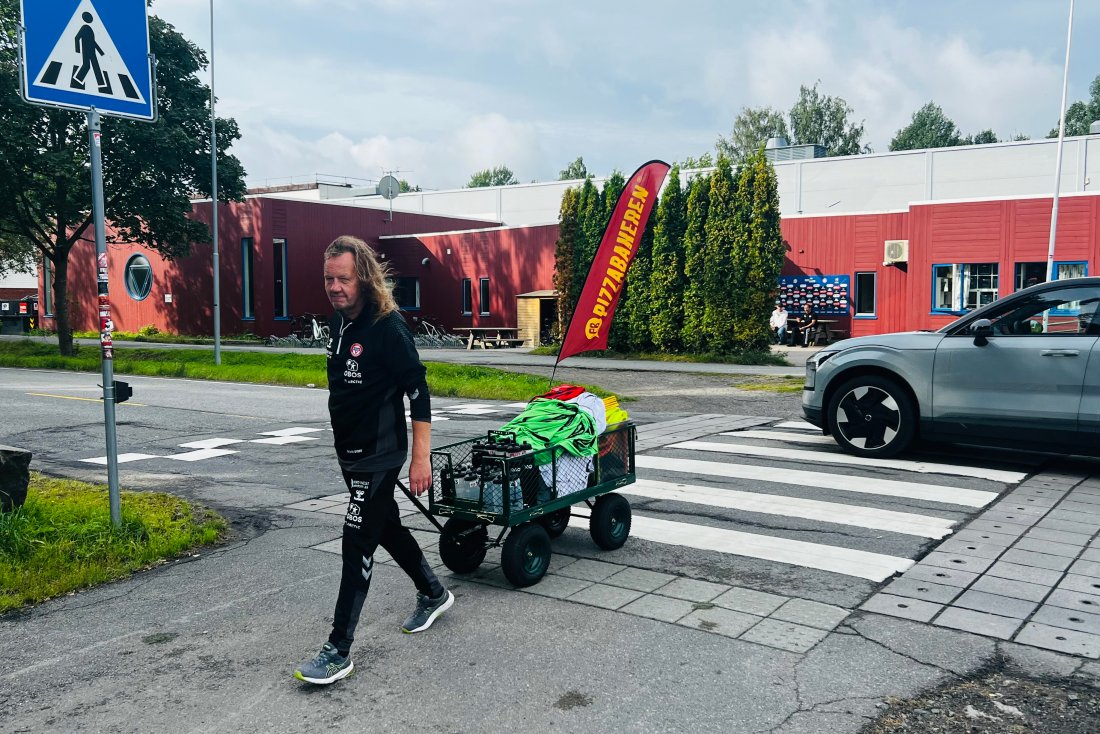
(423, 510)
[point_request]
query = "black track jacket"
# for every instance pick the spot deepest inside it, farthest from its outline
(371, 367)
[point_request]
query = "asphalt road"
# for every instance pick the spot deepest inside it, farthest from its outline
(208, 643)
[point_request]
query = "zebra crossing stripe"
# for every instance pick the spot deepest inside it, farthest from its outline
(862, 564)
(823, 480)
(783, 436)
(829, 457)
(906, 523)
(803, 425)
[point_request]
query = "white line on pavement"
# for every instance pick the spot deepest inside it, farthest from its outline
(782, 436)
(828, 457)
(798, 424)
(862, 564)
(824, 480)
(905, 523)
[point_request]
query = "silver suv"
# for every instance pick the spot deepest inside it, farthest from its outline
(1023, 371)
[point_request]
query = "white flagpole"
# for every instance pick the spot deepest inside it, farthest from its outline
(1061, 141)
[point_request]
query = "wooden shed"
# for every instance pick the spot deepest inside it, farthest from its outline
(536, 313)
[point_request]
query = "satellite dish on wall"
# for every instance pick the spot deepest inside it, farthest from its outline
(389, 187)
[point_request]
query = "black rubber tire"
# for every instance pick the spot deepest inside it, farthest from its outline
(525, 557)
(610, 521)
(872, 416)
(556, 522)
(462, 554)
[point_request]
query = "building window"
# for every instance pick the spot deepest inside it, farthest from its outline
(467, 297)
(406, 291)
(247, 291)
(47, 287)
(964, 286)
(980, 284)
(139, 277)
(865, 294)
(1065, 270)
(1029, 274)
(282, 307)
(483, 296)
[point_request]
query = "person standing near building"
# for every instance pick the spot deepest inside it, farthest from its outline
(779, 323)
(372, 365)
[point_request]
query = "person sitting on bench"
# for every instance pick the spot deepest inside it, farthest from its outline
(806, 325)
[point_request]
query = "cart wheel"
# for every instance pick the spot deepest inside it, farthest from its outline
(610, 521)
(556, 522)
(526, 554)
(462, 553)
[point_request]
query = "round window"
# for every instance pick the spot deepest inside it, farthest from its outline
(139, 277)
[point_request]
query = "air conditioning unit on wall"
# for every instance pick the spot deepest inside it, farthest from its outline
(895, 251)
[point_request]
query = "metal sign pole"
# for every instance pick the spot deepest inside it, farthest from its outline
(214, 202)
(106, 326)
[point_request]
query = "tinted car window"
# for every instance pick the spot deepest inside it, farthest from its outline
(1065, 312)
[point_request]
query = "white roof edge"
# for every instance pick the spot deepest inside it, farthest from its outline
(465, 231)
(934, 202)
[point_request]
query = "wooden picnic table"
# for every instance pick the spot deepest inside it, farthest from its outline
(488, 337)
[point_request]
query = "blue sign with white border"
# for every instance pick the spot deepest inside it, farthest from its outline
(81, 54)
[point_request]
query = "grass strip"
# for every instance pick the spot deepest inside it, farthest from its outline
(62, 539)
(770, 383)
(271, 368)
(758, 358)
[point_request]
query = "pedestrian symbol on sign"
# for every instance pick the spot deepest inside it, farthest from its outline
(86, 46)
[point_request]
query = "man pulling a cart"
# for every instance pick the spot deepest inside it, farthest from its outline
(372, 365)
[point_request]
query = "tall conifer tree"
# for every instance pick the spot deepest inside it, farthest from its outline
(764, 252)
(666, 280)
(721, 275)
(565, 257)
(694, 298)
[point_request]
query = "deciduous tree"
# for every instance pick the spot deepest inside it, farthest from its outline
(1082, 114)
(575, 170)
(497, 176)
(823, 120)
(151, 170)
(929, 128)
(751, 129)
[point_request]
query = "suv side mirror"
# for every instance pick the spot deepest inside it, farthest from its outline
(982, 330)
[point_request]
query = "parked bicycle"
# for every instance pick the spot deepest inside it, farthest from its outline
(309, 330)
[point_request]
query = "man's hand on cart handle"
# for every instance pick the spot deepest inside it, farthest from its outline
(420, 476)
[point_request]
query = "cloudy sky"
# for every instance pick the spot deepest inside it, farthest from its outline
(438, 89)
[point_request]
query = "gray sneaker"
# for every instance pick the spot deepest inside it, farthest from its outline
(328, 667)
(427, 609)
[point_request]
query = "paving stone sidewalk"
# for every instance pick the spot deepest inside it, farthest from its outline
(1027, 570)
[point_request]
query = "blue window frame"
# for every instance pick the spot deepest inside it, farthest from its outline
(961, 287)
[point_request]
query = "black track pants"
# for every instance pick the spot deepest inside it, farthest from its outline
(373, 520)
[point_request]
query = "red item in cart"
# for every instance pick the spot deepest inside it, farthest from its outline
(563, 392)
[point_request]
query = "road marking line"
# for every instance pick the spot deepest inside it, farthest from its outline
(200, 454)
(211, 443)
(828, 457)
(906, 523)
(122, 458)
(862, 564)
(782, 436)
(798, 424)
(296, 431)
(283, 440)
(824, 480)
(70, 397)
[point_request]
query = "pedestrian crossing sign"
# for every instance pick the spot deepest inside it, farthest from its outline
(81, 54)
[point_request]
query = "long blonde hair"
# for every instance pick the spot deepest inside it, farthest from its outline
(373, 274)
